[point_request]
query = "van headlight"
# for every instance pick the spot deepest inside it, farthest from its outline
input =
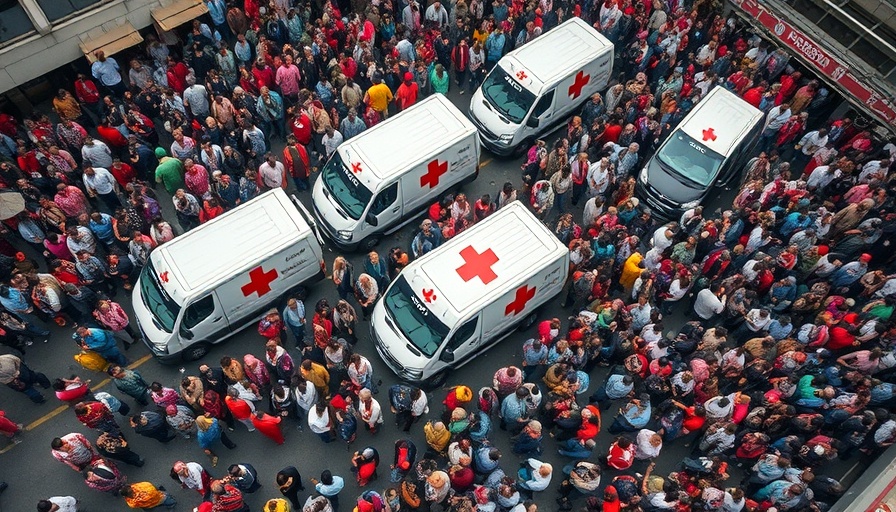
(344, 235)
(643, 175)
(506, 138)
(691, 204)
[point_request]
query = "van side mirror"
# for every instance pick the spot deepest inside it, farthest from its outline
(532, 122)
(185, 333)
(371, 219)
(447, 356)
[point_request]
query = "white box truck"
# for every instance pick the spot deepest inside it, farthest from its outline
(468, 294)
(207, 284)
(377, 181)
(539, 85)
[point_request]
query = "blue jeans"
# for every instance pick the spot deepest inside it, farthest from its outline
(169, 502)
(31, 323)
(572, 448)
(298, 332)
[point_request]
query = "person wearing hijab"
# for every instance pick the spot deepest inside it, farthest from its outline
(209, 432)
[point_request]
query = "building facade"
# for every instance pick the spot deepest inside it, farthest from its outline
(39, 36)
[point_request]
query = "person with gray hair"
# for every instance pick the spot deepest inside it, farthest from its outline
(352, 124)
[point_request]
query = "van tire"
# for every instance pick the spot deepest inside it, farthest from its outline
(523, 147)
(196, 352)
(435, 382)
(369, 243)
(528, 321)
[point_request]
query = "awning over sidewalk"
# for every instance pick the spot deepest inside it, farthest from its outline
(178, 13)
(859, 89)
(113, 41)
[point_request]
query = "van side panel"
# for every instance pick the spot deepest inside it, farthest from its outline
(431, 178)
(593, 77)
(244, 294)
(524, 298)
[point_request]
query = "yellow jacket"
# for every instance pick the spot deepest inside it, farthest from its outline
(145, 496)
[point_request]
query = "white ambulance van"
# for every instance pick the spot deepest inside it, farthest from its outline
(539, 85)
(207, 284)
(377, 181)
(709, 148)
(468, 294)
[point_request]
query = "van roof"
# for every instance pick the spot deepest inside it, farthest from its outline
(229, 243)
(720, 120)
(508, 246)
(391, 147)
(575, 40)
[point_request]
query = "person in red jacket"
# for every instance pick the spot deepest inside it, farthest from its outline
(407, 92)
(177, 75)
(241, 410)
(122, 172)
(297, 161)
(621, 454)
(210, 209)
(268, 425)
(111, 136)
(460, 59)
(300, 126)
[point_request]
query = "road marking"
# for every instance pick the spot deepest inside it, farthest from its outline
(59, 410)
(47, 417)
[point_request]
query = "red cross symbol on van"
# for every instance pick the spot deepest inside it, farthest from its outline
(521, 75)
(356, 167)
(259, 281)
(575, 90)
(709, 134)
(523, 295)
(163, 277)
(434, 172)
(477, 265)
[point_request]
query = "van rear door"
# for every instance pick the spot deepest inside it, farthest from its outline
(203, 320)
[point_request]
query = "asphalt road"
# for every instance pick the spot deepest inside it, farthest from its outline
(33, 474)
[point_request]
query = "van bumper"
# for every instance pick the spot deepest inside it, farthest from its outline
(496, 148)
(328, 233)
(488, 140)
(161, 356)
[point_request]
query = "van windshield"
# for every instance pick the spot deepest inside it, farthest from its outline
(347, 190)
(507, 95)
(683, 156)
(414, 319)
(163, 309)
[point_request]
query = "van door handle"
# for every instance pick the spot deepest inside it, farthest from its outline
(216, 319)
(395, 210)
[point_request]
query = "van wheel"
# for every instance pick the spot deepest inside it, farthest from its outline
(470, 179)
(528, 321)
(369, 243)
(197, 351)
(523, 147)
(435, 382)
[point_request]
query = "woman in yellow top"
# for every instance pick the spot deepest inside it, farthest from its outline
(144, 495)
(481, 34)
(630, 271)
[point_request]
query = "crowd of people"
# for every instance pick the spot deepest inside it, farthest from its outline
(785, 366)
